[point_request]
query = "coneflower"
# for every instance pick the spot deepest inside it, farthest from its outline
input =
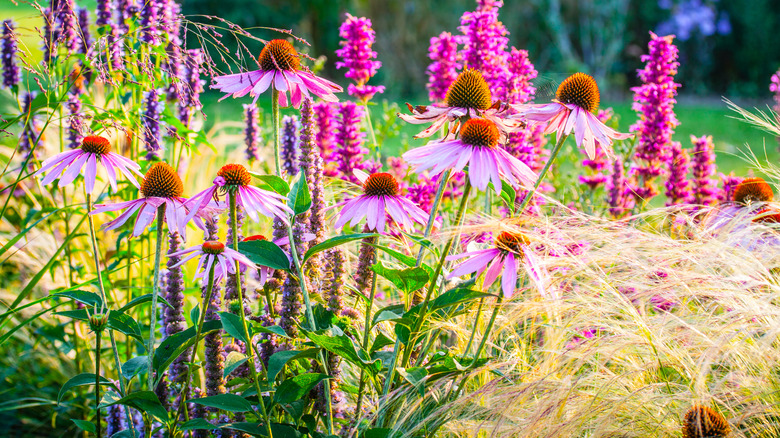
(705, 190)
(704, 422)
(8, 51)
(151, 123)
(251, 131)
(356, 55)
(654, 102)
(485, 44)
(444, 66)
(289, 149)
(349, 139)
(311, 163)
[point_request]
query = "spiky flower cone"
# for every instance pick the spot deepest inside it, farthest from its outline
(705, 422)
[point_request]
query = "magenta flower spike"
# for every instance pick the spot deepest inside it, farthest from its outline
(94, 150)
(444, 66)
(215, 253)
(358, 58)
(380, 198)
(280, 68)
(477, 148)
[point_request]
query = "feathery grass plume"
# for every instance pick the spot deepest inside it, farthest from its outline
(349, 140)
(251, 131)
(705, 189)
(8, 54)
(151, 123)
(356, 55)
(444, 66)
(654, 103)
(289, 147)
(326, 126)
(485, 41)
(677, 185)
(642, 359)
(704, 422)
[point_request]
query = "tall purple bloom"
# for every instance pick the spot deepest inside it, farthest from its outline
(151, 123)
(357, 56)
(677, 186)
(74, 122)
(618, 197)
(215, 361)
(325, 119)
(189, 102)
(289, 147)
(103, 12)
(444, 66)
(520, 73)
(28, 136)
(349, 138)
(85, 37)
(150, 20)
(654, 102)
(252, 131)
(173, 317)
(729, 183)
(115, 49)
(291, 306)
(311, 163)
(595, 178)
(50, 34)
(8, 48)
(68, 26)
(705, 189)
(485, 45)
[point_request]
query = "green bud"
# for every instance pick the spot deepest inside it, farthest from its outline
(98, 321)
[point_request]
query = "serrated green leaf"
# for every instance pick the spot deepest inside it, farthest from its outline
(345, 347)
(198, 423)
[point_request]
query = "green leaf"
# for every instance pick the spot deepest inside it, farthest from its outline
(226, 402)
(84, 425)
(198, 423)
(389, 313)
(377, 432)
(125, 324)
(265, 253)
(145, 401)
(90, 299)
(508, 195)
(233, 360)
(334, 242)
(173, 346)
(256, 429)
(142, 299)
(456, 296)
(345, 347)
(195, 315)
(273, 182)
(271, 329)
(407, 280)
(232, 325)
(380, 342)
(297, 387)
(135, 366)
(279, 359)
(299, 197)
(83, 379)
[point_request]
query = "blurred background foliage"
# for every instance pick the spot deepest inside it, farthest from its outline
(726, 47)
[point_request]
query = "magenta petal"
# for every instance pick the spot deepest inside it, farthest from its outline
(474, 264)
(492, 272)
(91, 173)
(509, 277)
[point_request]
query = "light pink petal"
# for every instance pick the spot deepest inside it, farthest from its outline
(381, 215)
(474, 264)
(471, 254)
(262, 85)
(492, 272)
(54, 174)
(183, 260)
(509, 277)
(122, 218)
(91, 173)
(110, 171)
(535, 272)
(145, 217)
(68, 156)
(360, 175)
(372, 212)
(102, 208)
(350, 208)
(73, 171)
(280, 83)
(283, 100)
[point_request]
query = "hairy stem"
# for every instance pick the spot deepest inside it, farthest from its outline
(155, 292)
(277, 125)
(366, 332)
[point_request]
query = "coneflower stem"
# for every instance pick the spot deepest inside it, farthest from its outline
(277, 134)
(312, 322)
(366, 332)
(435, 278)
(547, 166)
(487, 330)
(104, 309)
(474, 330)
(97, 382)
(250, 351)
(198, 332)
(155, 292)
(445, 177)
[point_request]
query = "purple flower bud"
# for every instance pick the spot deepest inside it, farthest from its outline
(444, 66)
(8, 48)
(251, 132)
(289, 147)
(357, 56)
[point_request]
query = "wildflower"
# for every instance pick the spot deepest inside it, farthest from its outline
(66, 16)
(174, 321)
(190, 102)
(752, 190)
(358, 57)
(705, 190)
(8, 49)
(280, 67)
(94, 149)
(251, 132)
(703, 421)
(86, 39)
(380, 197)
(572, 110)
(468, 97)
(478, 148)
(349, 139)
(617, 196)
(502, 259)
(151, 123)
(677, 186)
(325, 118)
(289, 149)
(74, 122)
(443, 70)
(485, 41)
(235, 177)
(103, 12)
(311, 163)
(215, 253)
(161, 186)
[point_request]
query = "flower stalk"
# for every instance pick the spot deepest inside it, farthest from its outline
(539, 180)
(277, 126)
(155, 292)
(366, 332)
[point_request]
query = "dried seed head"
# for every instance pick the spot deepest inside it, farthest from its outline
(581, 90)
(279, 55)
(469, 90)
(380, 184)
(161, 181)
(479, 132)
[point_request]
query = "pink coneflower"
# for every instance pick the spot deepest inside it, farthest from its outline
(380, 198)
(94, 149)
(251, 199)
(503, 260)
(161, 186)
(468, 97)
(572, 110)
(478, 148)
(280, 68)
(212, 252)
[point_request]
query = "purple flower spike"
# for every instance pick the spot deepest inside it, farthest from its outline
(349, 138)
(357, 56)
(104, 11)
(520, 74)
(325, 119)
(74, 121)
(289, 148)
(150, 18)
(677, 186)
(151, 124)
(85, 37)
(618, 197)
(444, 66)
(252, 131)
(485, 45)
(705, 189)
(654, 102)
(69, 26)
(8, 47)
(774, 87)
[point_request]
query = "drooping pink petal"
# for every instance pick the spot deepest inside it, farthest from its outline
(122, 218)
(73, 171)
(91, 173)
(493, 271)
(509, 276)
(145, 217)
(474, 264)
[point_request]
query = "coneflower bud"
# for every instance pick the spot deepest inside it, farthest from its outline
(289, 148)
(8, 50)
(98, 322)
(251, 132)
(704, 422)
(151, 123)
